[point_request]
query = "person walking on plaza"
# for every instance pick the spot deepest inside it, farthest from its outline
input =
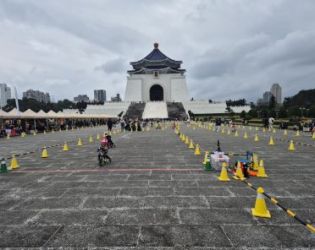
(109, 124)
(270, 122)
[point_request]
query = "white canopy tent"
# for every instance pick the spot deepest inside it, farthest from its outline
(30, 114)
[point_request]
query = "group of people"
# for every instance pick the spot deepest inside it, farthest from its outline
(16, 127)
(133, 124)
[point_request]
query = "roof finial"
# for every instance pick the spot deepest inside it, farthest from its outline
(156, 45)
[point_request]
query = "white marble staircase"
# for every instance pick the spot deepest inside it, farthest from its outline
(155, 110)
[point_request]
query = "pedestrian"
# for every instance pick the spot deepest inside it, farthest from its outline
(109, 124)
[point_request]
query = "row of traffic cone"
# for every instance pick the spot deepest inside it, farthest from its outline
(190, 144)
(65, 146)
(260, 209)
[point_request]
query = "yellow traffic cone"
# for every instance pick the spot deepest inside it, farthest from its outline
(260, 209)
(255, 162)
(205, 158)
(245, 135)
(187, 140)
(256, 129)
(271, 141)
(197, 150)
(228, 132)
(44, 152)
(23, 134)
(285, 132)
(222, 131)
(183, 138)
(291, 146)
(236, 134)
(256, 139)
(264, 130)
(297, 133)
(239, 173)
(98, 137)
(8, 136)
(261, 170)
(79, 142)
(191, 145)
(224, 174)
(14, 163)
(91, 139)
(65, 147)
(313, 136)
(274, 131)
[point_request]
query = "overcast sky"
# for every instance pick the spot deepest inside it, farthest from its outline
(230, 48)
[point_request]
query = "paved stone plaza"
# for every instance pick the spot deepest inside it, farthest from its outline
(154, 195)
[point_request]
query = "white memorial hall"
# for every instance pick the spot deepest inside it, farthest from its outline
(157, 88)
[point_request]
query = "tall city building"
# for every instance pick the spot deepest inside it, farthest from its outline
(266, 97)
(100, 95)
(276, 91)
(81, 98)
(37, 95)
(5, 94)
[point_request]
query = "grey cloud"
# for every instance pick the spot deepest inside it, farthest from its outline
(114, 66)
(230, 49)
